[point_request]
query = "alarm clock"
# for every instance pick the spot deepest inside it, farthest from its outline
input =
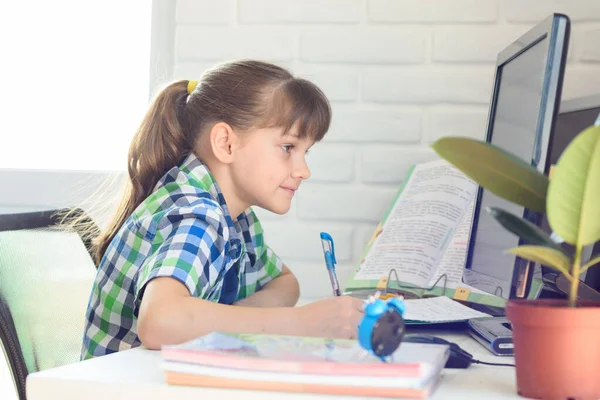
(382, 327)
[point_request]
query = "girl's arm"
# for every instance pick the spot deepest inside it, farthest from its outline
(169, 315)
(283, 291)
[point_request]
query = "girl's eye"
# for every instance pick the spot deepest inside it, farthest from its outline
(287, 147)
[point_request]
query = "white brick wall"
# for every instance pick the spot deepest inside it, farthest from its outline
(363, 46)
(205, 12)
(591, 48)
(428, 84)
(308, 11)
(455, 121)
(534, 10)
(374, 123)
(388, 163)
(335, 202)
(339, 83)
(433, 11)
(399, 74)
(455, 43)
(198, 43)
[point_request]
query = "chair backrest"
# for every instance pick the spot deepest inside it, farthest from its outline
(46, 275)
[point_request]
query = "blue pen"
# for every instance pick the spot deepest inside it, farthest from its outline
(329, 253)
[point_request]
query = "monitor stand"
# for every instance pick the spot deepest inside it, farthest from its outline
(556, 285)
(491, 310)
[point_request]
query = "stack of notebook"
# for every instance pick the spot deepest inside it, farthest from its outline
(303, 364)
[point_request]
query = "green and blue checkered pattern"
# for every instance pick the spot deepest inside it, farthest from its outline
(182, 230)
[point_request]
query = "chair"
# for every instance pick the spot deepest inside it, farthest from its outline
(46, 276)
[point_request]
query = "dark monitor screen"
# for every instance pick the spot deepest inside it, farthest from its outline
(575, 115)
(522, 113)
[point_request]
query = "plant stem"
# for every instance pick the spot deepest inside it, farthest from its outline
(575, 274)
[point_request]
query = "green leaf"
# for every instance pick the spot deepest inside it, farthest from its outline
(574, 191)
(496, 170)
(546, 256)
(523, 229)
(593, 261)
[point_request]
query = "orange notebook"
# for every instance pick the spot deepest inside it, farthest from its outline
(174, 378)
(303, 364)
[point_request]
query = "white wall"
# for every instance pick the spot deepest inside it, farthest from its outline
(399, 73)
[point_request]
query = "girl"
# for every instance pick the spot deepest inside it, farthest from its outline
(185, 254)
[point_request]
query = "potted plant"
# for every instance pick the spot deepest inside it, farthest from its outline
(556, 341)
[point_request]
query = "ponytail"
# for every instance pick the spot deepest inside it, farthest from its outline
(159, 145)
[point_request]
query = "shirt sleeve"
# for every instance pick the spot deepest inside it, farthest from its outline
(270, 268)
(190, 247)
(268, 263)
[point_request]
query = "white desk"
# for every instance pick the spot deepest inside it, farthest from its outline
(136, 374)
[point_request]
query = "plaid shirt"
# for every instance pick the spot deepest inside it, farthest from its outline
(182, 230)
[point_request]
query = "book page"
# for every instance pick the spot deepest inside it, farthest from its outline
(454, 260)
(493, 286)
(420, 224)
(439, 309)
(455, 256)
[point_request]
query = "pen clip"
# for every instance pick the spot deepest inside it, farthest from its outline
(328, 246)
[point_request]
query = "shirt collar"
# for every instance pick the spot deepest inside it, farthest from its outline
(204, 179)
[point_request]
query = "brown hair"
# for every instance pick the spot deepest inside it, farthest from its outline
(245, 94)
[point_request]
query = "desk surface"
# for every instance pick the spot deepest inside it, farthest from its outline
(136, 373)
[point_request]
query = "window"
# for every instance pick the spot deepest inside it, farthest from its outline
(74, 83)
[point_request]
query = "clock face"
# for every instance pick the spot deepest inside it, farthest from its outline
(387, 334)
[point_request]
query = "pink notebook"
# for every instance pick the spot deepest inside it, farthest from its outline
(304, 355)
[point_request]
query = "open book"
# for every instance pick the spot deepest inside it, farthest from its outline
(303, 364)
(423, 236)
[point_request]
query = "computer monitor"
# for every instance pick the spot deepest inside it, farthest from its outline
(525, 101)
(574, 116)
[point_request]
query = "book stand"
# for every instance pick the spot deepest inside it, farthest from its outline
(409, 295)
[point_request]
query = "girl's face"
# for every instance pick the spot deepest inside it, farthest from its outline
(269, 168)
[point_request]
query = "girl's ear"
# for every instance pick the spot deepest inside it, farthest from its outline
(223, 141)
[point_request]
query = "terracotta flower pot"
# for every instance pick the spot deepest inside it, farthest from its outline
(557, 348)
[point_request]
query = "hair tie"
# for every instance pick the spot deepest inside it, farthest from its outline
(192, 86)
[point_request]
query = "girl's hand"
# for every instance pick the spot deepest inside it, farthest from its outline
(336, 317)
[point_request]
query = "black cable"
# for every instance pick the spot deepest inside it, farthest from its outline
(488, 363)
